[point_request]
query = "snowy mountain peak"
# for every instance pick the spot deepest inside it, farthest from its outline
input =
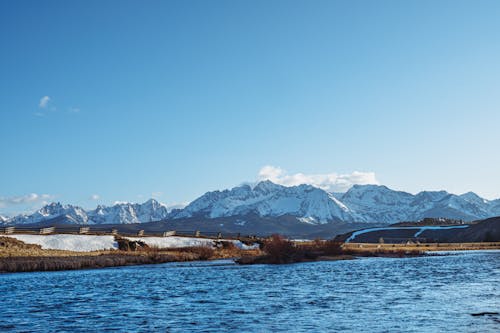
(55, 209)
(269, 199)
(309, 204)
(127, 213)
(267, 186)
(361, 203)
(473, 198)
(120, 213)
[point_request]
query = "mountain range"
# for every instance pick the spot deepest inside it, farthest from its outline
(306, 203)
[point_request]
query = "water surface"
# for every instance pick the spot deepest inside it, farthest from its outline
(425, 294)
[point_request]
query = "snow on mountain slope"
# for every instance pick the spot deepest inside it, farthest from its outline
(269, 199)
(121, 213)
(455, 206)
(494, 208)
(74, 214)
(373, 203)
(126, 213)
(309, 204)
(362, 203)
(377, 203)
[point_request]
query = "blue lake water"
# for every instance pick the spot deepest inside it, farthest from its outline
(426, 294)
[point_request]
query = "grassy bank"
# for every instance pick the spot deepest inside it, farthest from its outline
(369, 247)
(16, 256)
(278, 250)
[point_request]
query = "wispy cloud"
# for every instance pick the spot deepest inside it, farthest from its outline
(178, 205)
(24, 199)
(332, 182)
(44, 102)
(121, 202)
(24, 203)
(156, 194)
(95, 197)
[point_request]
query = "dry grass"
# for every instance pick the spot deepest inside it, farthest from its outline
(48, 263)
(17, 256)
(279, 250)
(369, 247)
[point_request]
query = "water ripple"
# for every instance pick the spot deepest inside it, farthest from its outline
(426, 294)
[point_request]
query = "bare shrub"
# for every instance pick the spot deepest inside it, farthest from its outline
(204, 252)
(227, 245)
(280, 250)
(332, 247)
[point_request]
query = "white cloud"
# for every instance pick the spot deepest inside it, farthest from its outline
(24, 203)
(95, 197)
(24, 199)
(121, 202)
(332, 182)
(178, 205)
(44, 102)
(156, 194)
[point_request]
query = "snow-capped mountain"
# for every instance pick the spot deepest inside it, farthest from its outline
(308, 204)
(121, 213)
(268, 199)
(377, 203)
(126, 213)
(361, 203)
(74, 214)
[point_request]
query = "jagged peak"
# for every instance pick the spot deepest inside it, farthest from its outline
(267, 186)
(470, 195)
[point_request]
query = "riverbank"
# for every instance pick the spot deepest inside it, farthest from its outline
(426, 247)
(17, 256)
(279, 250)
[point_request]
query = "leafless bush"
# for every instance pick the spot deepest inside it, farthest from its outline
(280, 250)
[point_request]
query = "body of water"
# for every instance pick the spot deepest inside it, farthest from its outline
(424, 294)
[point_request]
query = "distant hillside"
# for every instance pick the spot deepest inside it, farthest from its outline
(482, 231)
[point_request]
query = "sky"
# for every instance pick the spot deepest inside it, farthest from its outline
(105, 101)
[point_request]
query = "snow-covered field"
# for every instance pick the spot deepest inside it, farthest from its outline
(86, 243)
(82, 243)
(174, 242)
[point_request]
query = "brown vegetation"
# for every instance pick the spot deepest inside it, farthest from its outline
(29, 264)
(17, 256)
(279, 250)
(421, 247)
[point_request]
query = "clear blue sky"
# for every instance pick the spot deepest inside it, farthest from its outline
(181, 97)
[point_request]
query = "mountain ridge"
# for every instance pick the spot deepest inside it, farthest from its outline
(308, 204)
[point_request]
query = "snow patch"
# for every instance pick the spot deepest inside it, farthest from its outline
(310, 220)
(422, 229)
(176, 242)
(80, 243)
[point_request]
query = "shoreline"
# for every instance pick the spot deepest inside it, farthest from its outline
(17, 256)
